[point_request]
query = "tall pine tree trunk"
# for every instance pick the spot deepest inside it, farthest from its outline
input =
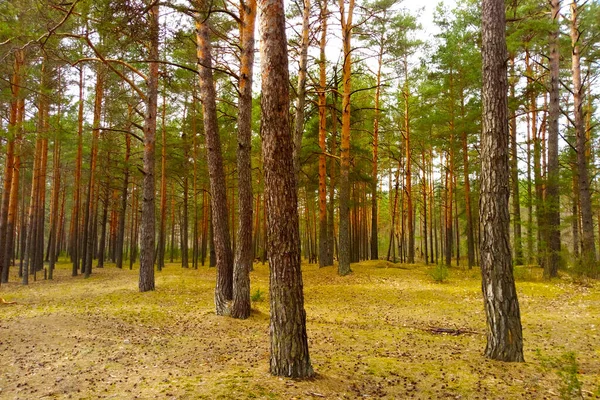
(552, 186)
(322, 99)
(301, 90)
(514, 173)
(146, 281)
(289, 344)
(220, 220)
(504, 332)
(344, 200)
(244, 255)
(588, 250)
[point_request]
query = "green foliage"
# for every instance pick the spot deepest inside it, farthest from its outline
(257, 296)
(439, 273)
(566, 367)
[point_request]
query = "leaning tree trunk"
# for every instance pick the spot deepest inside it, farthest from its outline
(504, 333)
(244, 254)
(552, 209)
(218, 189)
(289, 344)
(146, 281)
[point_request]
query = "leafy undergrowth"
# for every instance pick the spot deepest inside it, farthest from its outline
(370, 336)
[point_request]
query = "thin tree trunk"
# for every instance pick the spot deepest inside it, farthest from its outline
(514, 173)
(552, 189)
(102, 244)
(162, 233)
(91, 199)
(54, 220)
(468, 208)
(324, 241)
(11, 172)
(331, 237)
(344, 200)
(120, 242)
(408, 149)
(220, 220)
(301, 90)
(588, 250)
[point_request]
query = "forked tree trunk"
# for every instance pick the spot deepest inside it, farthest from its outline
(218, 189)
(243, 254)
(289, 344)
(504, 333)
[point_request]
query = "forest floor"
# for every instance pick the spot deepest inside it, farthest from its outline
(373, 334)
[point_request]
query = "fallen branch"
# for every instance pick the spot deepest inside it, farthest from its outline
(449, 331)
(2, 301)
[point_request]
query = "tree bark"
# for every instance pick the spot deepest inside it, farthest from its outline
(301, 91)
(218, 189)
(468, 208)
(91, 198)
(289, 344)
(408, 149)
(11, 172)
(162, 233)
(344, 197)
(146, 281)
(552, 197)
(504, 332)
(244, 254)
(75, 215)
(588, 250)
(322, 100)
(120, 242)
(514, 173)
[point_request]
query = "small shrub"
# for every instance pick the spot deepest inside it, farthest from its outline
(257, 296)
(439, 273)
(567, 369)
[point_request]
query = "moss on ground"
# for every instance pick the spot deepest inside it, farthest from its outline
(369, 333)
